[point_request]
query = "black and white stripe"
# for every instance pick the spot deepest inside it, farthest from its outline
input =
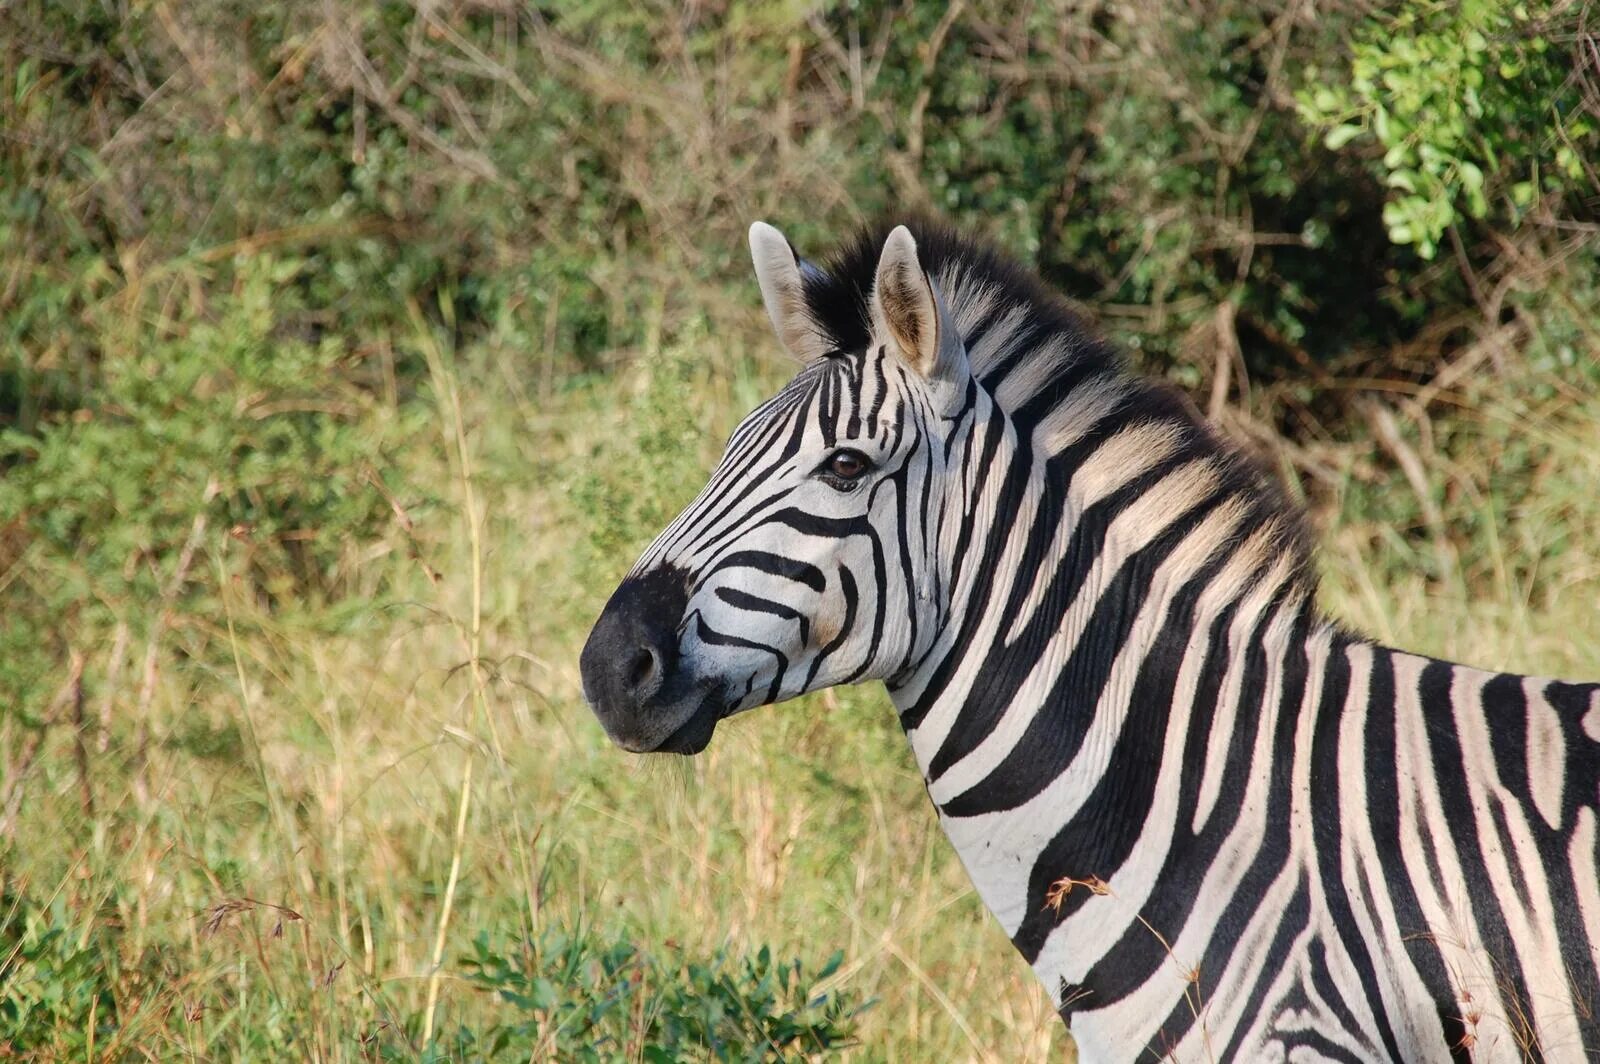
(1216, 824)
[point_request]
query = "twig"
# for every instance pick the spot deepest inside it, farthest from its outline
(1387, 433)
(367, 82)
(930, 58)
(152, 652)
(113, 676)
(80, 749)
(1492, 345)
(1227, 352)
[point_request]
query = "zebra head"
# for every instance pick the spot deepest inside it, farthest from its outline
(809, 559)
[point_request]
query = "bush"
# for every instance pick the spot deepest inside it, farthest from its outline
(53, 979)
(220, 446)
(571, 995)
(553, 173)
(1478, 108)
(579, 997)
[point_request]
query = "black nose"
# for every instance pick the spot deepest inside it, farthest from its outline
(633, 649)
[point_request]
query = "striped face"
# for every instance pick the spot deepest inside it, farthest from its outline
(811, 556)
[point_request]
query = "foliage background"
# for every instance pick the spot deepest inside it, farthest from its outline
(349, 352)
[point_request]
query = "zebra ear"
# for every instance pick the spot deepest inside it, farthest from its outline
(907, 308)
(778, 272)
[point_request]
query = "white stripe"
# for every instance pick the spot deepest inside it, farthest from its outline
(995, 343)
(1218, 887)
(1226, 994)
(1547, 753)
(1086, 406)
(1040, 366)
(1406, 998)
(1584, 860)
(1132, 884)
(1533, 937)
(930, 734)
(968, 298)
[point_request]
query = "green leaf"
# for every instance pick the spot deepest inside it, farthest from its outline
(1341, 135)
(1381, 125)
(1402, 179)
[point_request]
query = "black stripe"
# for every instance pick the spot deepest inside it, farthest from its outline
(1291, 924)
(1273, 845)
(1383, 803)
(1138, 954)
(755, 604)
(1449, 768)
(880, 606)
(908, 569)
(854, 376)
(773, 565)
(878, 399)
(1508, 848)
(1505, 713)
(852, 599)
(1101, 836)
(738, 484)
(1319, 1047)
(1333, 996)
(1327, 830)
(1058, 728)
(710, 636)
(807, 523)
(1571, 702)
(828, 408)
(986, 576)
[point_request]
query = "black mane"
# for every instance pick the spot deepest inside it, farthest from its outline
(838, 293)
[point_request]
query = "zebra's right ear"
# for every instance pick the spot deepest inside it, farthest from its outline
(907, 309)
(778, 272)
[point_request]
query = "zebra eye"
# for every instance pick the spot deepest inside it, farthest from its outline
(847, 465)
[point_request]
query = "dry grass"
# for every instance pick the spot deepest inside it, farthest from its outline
(433, 773)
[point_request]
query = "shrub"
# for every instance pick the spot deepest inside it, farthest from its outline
(577, 996)
(1478, 108)
(220, 444)
(53, 979)
(568, 994)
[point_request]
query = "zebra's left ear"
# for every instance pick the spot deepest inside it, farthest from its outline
(907, 308)
(779, 273)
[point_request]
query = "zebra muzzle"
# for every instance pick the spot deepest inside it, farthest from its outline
(630, 663)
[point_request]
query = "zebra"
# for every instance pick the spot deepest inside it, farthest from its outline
(1217, 824)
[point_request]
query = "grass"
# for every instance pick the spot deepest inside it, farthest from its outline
(329, 832)
(322, 828)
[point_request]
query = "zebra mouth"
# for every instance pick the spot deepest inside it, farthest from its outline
(694, 734)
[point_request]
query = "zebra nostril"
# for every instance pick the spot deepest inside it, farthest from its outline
(643, 668)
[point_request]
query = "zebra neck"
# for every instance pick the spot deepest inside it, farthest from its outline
(1013, 747)
(1087, 643)
(1077, 788)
